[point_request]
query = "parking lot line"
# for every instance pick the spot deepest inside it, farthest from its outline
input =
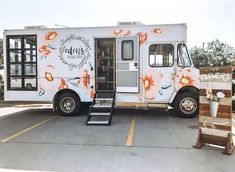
(131, 131)
(27, 129)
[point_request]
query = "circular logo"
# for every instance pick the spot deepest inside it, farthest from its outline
(74, 51)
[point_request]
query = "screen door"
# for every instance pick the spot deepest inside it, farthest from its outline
(127, 76)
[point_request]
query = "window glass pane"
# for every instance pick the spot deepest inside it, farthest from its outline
(183, 57)
(15, 69)
(30, 83)
(161, 55)
(15, 56)
(30, 42)
(127, 50)
(30, 69)
(22, 62)
(159, 60)
(15, 43)
(15, 82)
(30, 56)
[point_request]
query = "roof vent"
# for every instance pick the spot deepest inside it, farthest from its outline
(130, 23)
(35, 27)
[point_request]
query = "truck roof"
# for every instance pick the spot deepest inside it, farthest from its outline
(41, 27)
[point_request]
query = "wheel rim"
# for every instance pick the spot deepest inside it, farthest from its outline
(188, 105)
(67, 104)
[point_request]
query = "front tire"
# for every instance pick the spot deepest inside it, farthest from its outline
(187, 105)
(68, 104)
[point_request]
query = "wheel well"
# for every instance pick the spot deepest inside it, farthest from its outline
(57, 95)
(186, 89)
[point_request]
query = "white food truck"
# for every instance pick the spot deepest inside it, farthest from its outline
(143, 65)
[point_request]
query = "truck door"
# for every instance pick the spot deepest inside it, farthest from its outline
(159, 73)
(127, 70)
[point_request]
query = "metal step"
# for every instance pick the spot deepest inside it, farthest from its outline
(100, 113)
(103, 99)
(101, 109)
(102, 106)
(98, 122)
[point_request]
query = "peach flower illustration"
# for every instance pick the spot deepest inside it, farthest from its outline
(157, 30)
(44, 50)
(50, 36)
(143, 37)
(186, 80)
(63, 84)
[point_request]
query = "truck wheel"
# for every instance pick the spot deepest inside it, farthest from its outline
(187, 105)
(68, 104)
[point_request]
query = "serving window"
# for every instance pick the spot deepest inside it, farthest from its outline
(22, 62)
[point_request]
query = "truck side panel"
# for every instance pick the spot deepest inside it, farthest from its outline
(65, 59)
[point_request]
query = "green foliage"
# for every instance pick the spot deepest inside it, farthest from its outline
(215, 53)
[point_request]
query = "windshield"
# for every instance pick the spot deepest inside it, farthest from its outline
(183, 59)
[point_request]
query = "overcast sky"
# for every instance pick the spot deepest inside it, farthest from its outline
(206, 19)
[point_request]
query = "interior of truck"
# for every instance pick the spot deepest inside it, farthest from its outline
(105, 63)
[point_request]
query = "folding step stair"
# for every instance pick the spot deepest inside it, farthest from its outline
(101, 108)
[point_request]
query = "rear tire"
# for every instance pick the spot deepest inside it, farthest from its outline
(68, 104)
(187, 105)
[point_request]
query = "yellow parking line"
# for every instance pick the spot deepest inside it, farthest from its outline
(26, 130)
(131, 131)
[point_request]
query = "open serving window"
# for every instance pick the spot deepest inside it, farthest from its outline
(22, 62)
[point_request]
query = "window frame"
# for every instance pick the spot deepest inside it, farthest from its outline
(187, 53)
(161, 44)
(132, 46)
(23, 62)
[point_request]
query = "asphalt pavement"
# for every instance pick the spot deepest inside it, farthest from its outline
(35, 138)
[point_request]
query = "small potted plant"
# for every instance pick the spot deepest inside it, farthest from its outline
(214, 101)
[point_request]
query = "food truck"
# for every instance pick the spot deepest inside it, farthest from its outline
(128, 65)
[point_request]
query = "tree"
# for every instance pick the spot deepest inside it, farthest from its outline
(215, 53)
